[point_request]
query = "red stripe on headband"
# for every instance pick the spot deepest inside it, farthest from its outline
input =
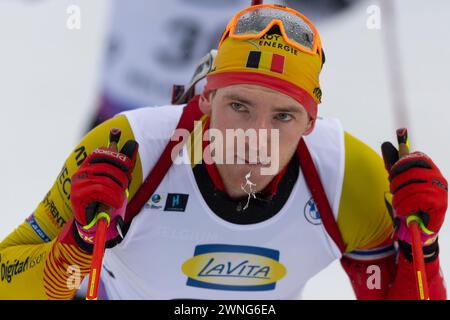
(223, 79)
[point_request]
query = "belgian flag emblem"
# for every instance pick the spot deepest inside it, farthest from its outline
(266, 61)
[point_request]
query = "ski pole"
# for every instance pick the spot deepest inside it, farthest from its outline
(100, 233)
(414, 229)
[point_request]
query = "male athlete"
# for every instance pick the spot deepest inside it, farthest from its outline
(235, 229)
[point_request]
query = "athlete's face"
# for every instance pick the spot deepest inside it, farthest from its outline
(274, 120)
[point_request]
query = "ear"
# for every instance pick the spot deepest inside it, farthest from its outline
(205, 102)
(310, 126)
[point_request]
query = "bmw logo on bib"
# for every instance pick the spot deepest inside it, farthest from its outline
(312, 212)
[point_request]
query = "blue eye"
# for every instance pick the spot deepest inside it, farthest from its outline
(284, 117)
(236, 106)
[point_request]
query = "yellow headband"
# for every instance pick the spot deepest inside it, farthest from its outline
(268, 61)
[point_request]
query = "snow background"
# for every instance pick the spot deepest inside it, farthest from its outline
(49, 83)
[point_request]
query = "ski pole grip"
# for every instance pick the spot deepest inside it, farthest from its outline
(414, 229)
(100, 234)
(114, 137)
(403, 142)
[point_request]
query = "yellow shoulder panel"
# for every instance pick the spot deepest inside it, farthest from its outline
(363, 219)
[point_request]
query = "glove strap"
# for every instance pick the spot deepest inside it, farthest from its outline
(430, 252)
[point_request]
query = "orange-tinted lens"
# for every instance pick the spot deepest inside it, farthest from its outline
(296, 29)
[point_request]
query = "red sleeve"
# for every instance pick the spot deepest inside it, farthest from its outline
(404, 286)
(370, 279)
(390, 279)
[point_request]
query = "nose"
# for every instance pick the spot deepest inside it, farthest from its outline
(262, 124)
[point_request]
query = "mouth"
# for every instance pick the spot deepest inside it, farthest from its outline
(246, 162)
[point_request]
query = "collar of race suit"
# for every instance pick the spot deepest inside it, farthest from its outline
(248, 209)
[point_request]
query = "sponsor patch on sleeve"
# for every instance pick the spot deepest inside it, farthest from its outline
(31, 220)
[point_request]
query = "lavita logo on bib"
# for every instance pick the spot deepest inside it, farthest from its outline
(233, 267)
